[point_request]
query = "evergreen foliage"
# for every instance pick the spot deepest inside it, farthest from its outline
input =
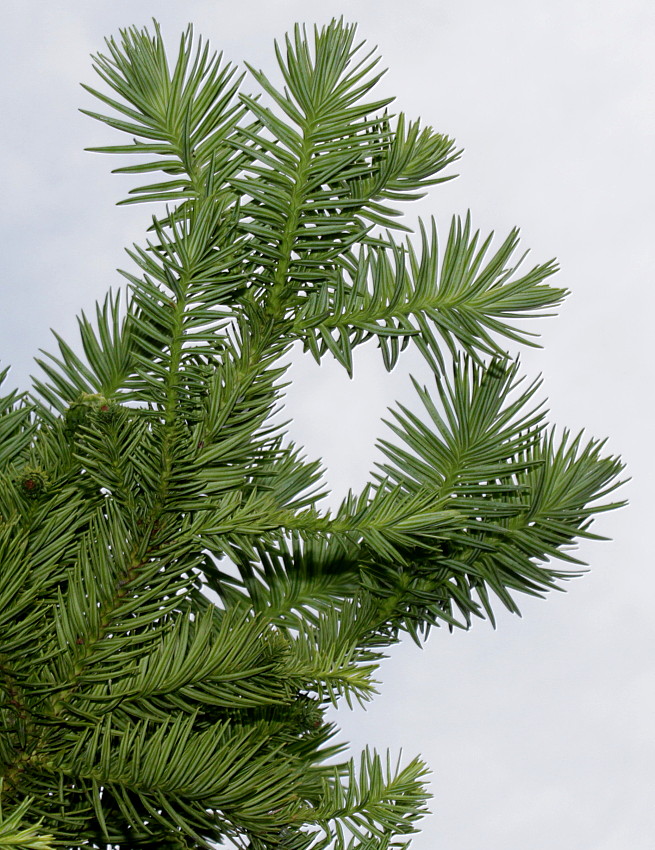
(144, 475)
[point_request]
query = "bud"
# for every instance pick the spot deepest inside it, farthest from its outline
(33, 481)
(275, 649)
(306, 714)
(85, 406)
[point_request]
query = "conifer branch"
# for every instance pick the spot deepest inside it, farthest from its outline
(178, 610)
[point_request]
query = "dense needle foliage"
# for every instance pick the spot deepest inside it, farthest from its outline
(145, 475)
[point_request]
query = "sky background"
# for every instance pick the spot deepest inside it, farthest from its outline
(539, 734)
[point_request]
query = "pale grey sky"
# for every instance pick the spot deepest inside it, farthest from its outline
(540, 734)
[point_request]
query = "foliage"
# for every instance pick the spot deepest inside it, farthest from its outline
(144, 475)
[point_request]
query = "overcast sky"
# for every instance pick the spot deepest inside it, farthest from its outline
(539, 734)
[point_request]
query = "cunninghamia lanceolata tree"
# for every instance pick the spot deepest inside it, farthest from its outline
(144, 475)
